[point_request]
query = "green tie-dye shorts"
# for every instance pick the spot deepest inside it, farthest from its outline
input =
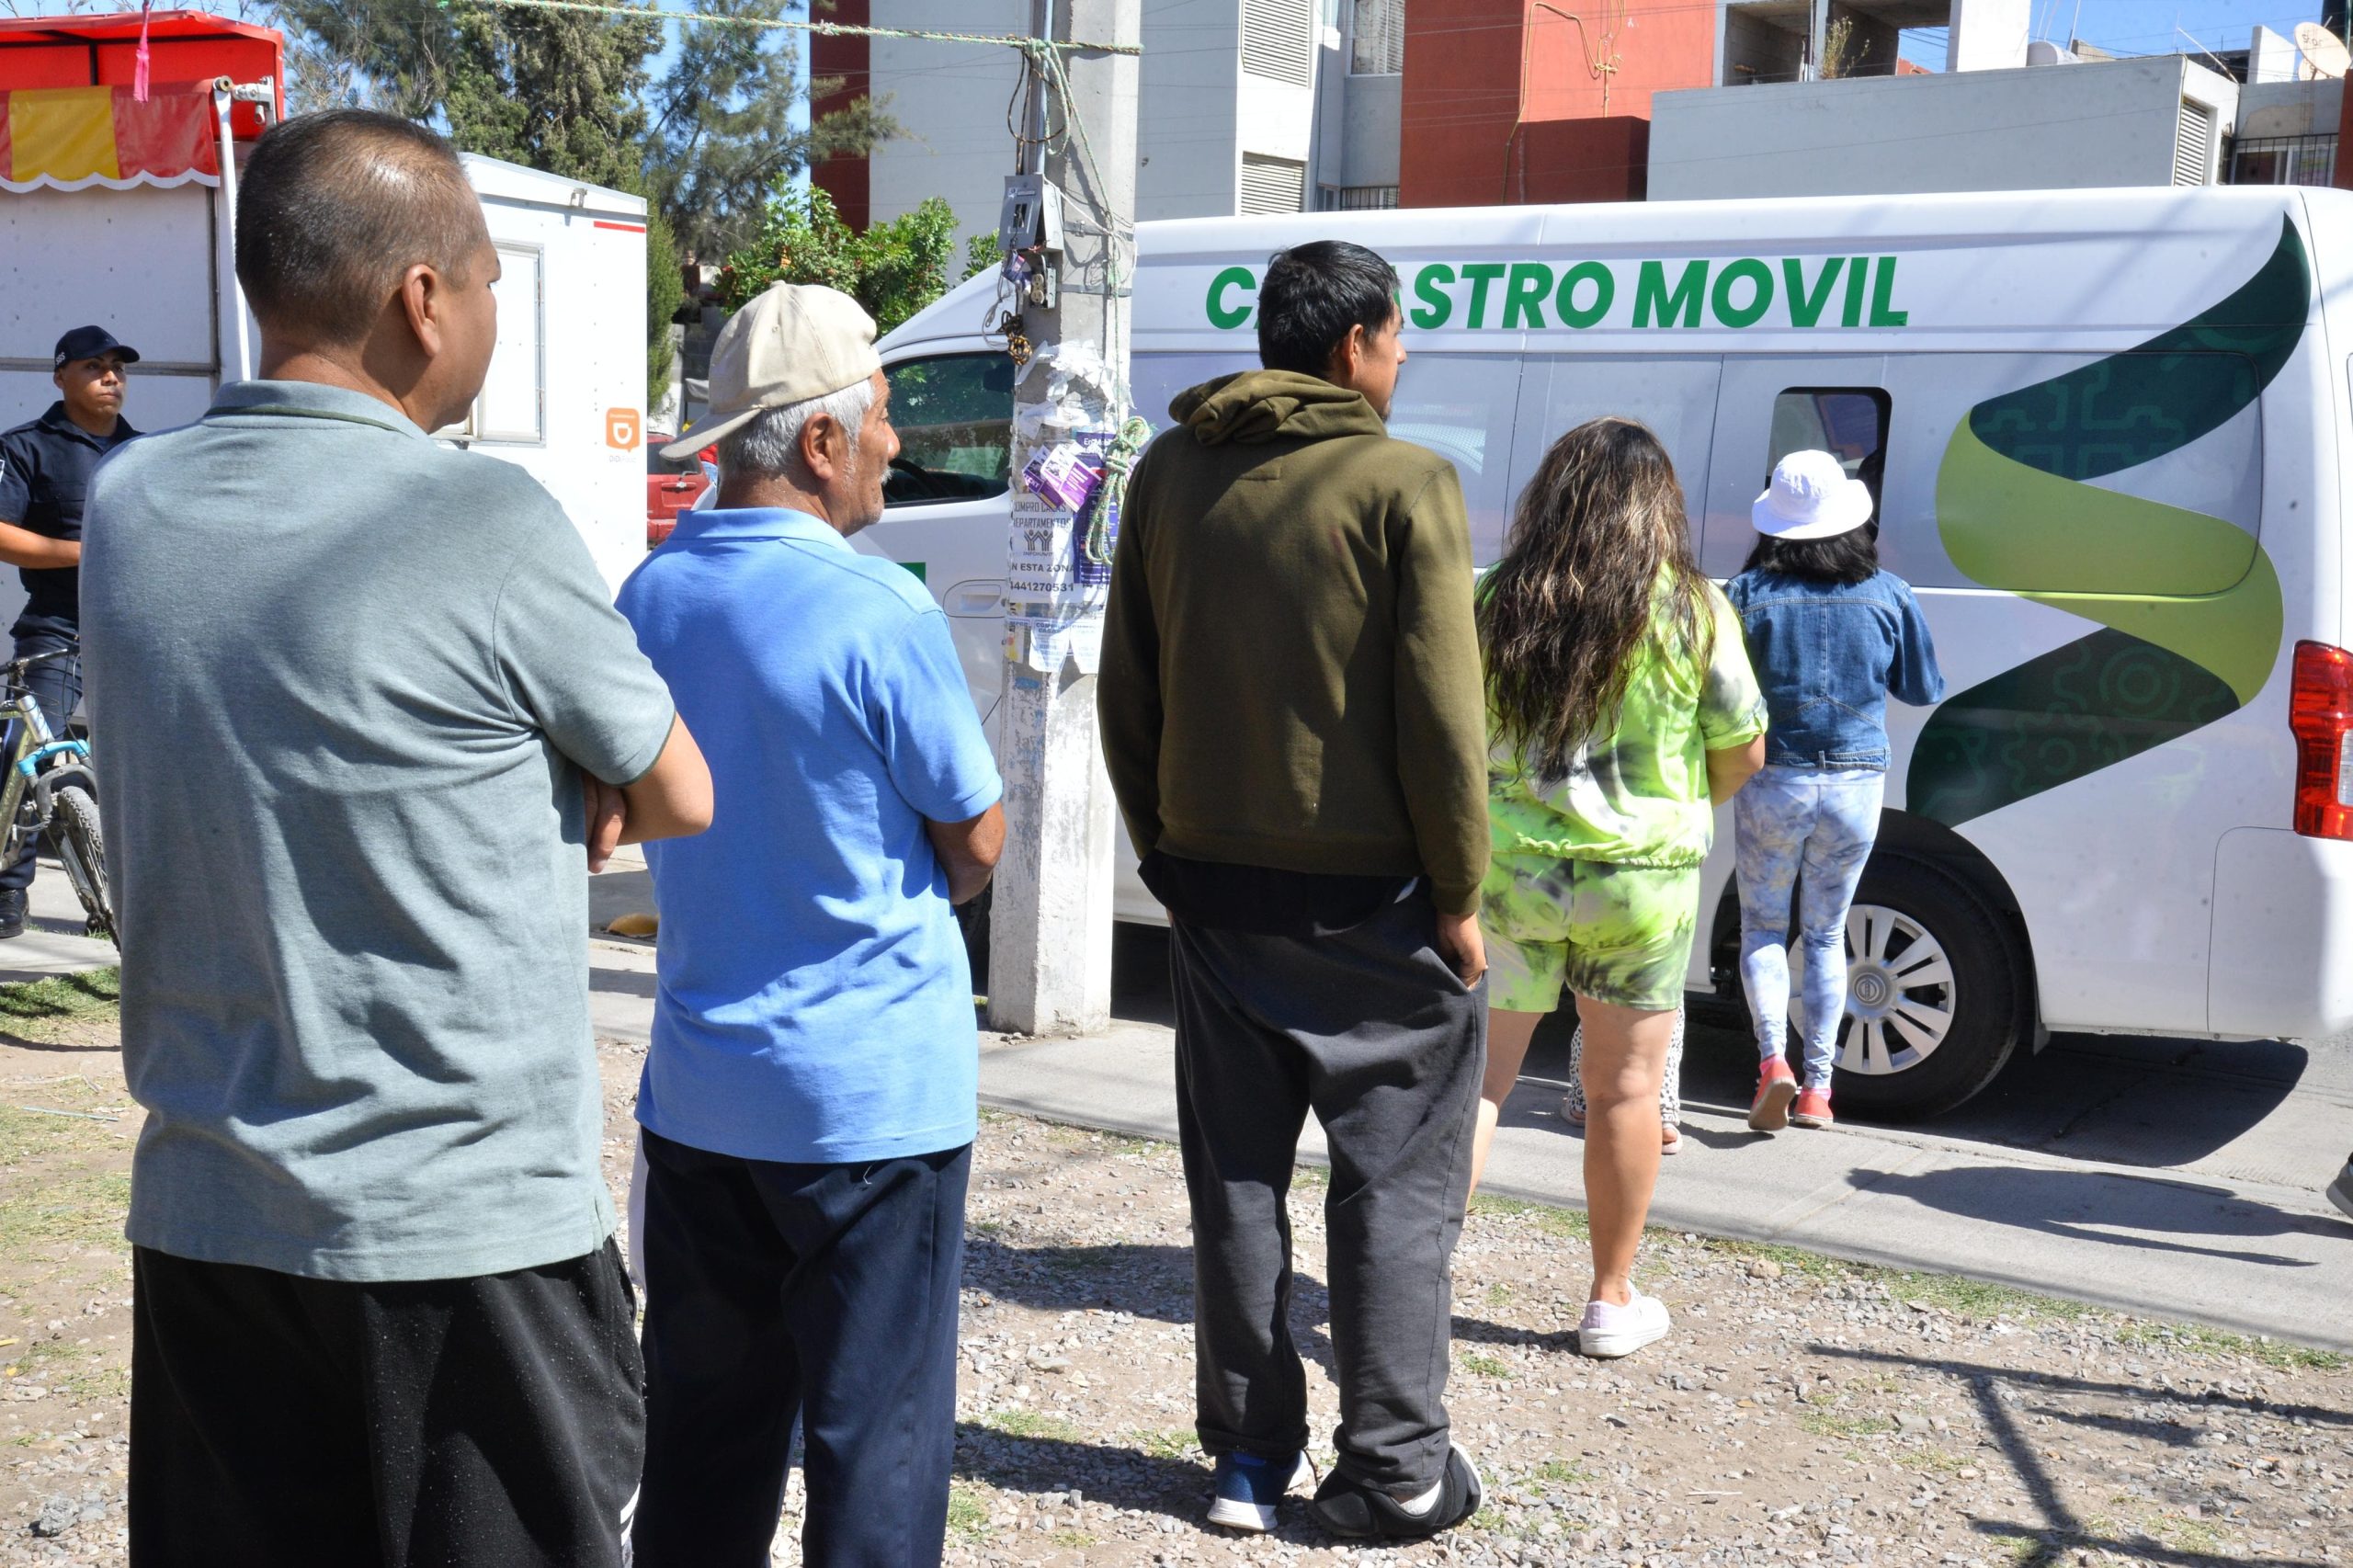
(1617, 934)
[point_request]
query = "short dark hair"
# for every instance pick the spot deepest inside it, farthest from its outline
(333, 207)
(1313, 294)
(1849, 557)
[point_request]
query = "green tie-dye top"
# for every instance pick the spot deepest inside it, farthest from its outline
(1639, 795)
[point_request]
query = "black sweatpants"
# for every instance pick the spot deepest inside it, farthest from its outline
(277, 1420)
(825, 1291)
(1371, 1030)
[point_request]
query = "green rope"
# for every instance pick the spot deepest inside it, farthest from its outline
(828, 29)
(1118, 463)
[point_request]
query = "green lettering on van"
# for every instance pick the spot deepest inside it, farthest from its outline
(1856, 268)
(1655, 305)
(1882, 287)
(1605, 288)
(1524, 296)
(1479, 274)
(1223, 315)
(1760, 293)
(1429, 288)
(1805, 309)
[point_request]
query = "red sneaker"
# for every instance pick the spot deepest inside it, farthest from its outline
(1813, 1108)
(1776, 1086)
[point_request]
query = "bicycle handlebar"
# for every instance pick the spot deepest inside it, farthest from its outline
(16, 668)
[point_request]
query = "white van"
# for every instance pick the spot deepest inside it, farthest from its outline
(2110, 431)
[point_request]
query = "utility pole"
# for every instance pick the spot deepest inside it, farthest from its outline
(1050, 931)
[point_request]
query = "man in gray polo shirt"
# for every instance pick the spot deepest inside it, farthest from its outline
(370, 719)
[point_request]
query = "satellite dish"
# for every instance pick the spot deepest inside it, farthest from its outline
(2323, 50)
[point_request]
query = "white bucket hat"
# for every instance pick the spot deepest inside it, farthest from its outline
(1811, 497)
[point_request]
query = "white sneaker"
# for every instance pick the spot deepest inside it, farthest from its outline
(1610, 1330)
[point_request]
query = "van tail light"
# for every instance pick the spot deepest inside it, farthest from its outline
(2320, 710)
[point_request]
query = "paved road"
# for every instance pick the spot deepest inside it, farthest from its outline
(2173, 1176)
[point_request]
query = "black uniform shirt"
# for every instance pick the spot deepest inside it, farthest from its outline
(45, 468)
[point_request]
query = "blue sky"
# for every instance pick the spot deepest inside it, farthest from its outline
(2141, 27)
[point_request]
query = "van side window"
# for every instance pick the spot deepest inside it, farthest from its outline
(954, 415)
(1850, 423)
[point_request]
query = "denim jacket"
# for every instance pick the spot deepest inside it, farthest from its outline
(1828, 655)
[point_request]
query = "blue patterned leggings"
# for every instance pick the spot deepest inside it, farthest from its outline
(1803, 835)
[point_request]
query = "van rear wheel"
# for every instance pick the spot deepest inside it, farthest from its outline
(1933, 993)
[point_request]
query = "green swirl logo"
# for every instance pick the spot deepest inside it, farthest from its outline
(2188, 606)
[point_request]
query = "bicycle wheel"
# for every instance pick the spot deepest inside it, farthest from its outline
(82, 851)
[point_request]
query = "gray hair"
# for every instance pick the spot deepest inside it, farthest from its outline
(770, 444)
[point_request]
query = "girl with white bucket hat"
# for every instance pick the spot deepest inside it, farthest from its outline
(1832, 637)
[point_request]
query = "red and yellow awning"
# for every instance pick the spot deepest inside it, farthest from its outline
(73, 138)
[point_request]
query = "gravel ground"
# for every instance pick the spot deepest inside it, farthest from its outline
(1804, 1411)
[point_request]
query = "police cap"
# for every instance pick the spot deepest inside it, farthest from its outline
(88, 343)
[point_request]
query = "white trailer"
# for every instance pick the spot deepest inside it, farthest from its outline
(149, 255)
(565, 396)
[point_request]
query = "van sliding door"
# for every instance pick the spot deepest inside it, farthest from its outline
(1676, 397)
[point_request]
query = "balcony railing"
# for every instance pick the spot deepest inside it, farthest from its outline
(2283, 160)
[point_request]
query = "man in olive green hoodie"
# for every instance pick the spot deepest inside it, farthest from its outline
(1293, 723)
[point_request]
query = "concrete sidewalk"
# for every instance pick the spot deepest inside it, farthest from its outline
(2238, 1254)
(2105, 1171)
(53, 942)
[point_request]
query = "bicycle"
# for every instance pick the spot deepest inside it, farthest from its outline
(48, 788)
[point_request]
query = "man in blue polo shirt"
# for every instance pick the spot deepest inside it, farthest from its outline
(807, 1103)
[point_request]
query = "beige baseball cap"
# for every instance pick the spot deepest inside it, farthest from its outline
(790, 343)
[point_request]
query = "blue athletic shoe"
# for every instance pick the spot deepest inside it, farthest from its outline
(1249, 1487)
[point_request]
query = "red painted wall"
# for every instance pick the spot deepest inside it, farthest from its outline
(843, 179)
(1596, 158)
(1469, 62)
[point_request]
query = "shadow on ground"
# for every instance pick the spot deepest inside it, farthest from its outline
(2006, 1400)
(2093, 1206)
(2147, 1102)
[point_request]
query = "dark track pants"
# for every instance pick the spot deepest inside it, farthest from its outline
(1371, 1030)
(492, 1422)
(825, 1291)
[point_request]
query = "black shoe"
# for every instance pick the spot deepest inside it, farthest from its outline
(12, 913)
(1356, 1512)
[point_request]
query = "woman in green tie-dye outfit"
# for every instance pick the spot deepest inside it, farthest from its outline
(1622, 707)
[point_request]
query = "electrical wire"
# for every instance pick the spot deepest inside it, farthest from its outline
(823, 29)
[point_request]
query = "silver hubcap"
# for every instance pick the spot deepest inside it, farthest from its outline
(1900, 993)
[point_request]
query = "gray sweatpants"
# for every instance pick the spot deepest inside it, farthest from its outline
(1371, 1032)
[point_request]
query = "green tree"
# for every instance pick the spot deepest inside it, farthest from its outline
(665, 291)
(574, 94)
(556, 90)
(722, 132)
(981, 253)
(894, 269)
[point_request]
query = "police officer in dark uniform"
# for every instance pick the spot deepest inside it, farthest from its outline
(45, 467)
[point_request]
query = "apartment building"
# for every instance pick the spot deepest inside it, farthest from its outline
(1247, 106)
